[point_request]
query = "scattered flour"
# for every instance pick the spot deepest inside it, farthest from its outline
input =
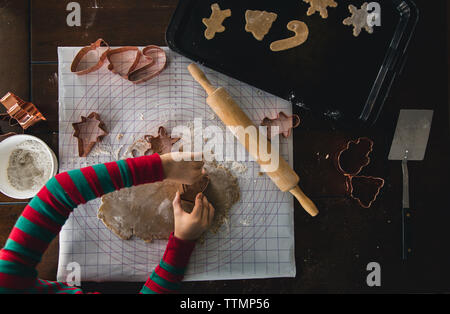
(29, 166)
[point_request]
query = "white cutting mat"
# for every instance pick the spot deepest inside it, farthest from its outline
(258, 239)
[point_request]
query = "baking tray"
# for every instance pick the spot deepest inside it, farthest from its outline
(334, 74)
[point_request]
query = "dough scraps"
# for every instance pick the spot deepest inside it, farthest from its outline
(259, 22)
(284, 123)
(358, 19)
(320, 6)
(214, 22)
(88, 132)
(146, 211)
(301, 35)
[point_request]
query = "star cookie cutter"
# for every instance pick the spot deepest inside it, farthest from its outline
(350, 162)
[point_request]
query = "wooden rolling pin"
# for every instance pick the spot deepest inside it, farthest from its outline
(232, 115)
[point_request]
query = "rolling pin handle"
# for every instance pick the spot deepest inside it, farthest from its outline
(306, 203)
(200, 77)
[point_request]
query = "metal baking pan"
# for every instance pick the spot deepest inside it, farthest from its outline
(334, 74)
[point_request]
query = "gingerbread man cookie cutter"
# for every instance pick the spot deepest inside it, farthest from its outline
(214, 22)
(301, 35)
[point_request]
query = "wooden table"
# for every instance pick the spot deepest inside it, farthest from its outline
(332, 250)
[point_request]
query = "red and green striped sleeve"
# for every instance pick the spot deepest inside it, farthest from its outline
(47, 212)
(167, 276)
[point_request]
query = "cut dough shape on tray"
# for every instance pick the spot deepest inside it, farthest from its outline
(259, 23)
(320, 6)
(301, 35)
(146, 211)
(214, 22)
(358, 19)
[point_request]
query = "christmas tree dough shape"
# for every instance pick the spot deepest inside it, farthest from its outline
(259, 22)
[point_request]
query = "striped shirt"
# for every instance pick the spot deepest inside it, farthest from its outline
(46, 213)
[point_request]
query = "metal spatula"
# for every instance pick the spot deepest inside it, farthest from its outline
(409, 144)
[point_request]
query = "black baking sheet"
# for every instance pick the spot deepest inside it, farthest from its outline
(332, 73)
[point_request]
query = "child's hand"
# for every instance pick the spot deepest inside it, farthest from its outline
(191, 226)
(182, 167)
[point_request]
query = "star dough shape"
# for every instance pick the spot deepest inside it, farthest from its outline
(162, 143)
(320, 6)
(214, 22)
(89, 131)
(284, 123)
(358, 19)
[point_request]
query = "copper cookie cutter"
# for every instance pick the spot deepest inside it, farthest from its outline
(153, 62)
(25, 113)
(350, 168)
(189, 192)
(89, 132)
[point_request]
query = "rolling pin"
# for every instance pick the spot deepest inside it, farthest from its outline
(232, 115)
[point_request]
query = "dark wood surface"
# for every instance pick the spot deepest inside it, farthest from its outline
(332, 250)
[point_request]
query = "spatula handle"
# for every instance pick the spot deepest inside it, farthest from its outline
(406, 214)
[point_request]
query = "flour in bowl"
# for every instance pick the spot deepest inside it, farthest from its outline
(29, 166)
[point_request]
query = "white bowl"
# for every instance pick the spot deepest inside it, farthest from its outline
(6, 148)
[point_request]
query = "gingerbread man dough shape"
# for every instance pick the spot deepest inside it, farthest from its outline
(301, 35)
(259, 22)
(320, 6)
(214, 22)
(358, 19)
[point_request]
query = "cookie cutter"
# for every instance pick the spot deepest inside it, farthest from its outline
(110, 53)
(25, 113)
(284, 122)
(84, 135)
(351, 169)
(158, 61)
(162, 143)
(155, 61)
(99, 43)
(189, 192)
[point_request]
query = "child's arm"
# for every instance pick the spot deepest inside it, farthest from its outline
(167, 276)
(47, 212)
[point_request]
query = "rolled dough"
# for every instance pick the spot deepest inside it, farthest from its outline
(146, 211)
